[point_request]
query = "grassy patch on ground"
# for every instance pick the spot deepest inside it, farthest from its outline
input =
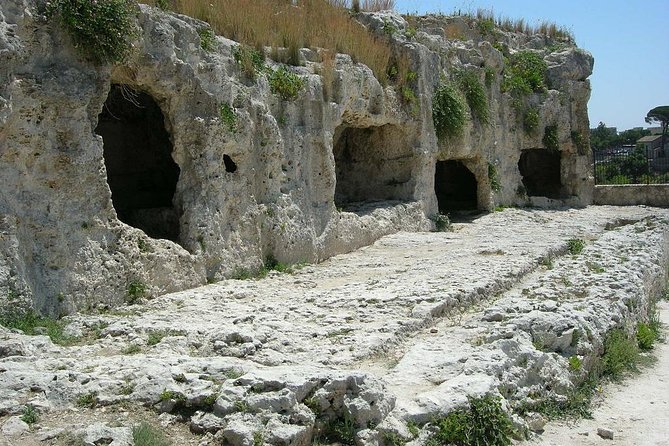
(622, 356)
(146, 434)
(32, 324)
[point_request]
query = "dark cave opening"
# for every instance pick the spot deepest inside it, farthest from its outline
(372, 165)
(141, 173)
(455, 186)
(230, 165)
(540, 169)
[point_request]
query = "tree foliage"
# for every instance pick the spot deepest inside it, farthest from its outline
(603, 137)
(659, 115)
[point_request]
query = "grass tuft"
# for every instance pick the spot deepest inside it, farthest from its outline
(29, 414)
(146, 434)
(575, 246)
(88, 400)
(621, 355)
(32, 324)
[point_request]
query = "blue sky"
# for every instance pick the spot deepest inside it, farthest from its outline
(629, 40)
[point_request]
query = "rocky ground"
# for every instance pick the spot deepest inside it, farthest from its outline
(379, 341)
(636, 412)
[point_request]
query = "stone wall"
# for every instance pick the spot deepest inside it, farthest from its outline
(632, 194)
(84, 225)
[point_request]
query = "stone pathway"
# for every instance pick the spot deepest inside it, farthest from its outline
(400, 331)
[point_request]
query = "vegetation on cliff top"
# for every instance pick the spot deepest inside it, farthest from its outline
(101, 30)
(487, 23)
(310, 23)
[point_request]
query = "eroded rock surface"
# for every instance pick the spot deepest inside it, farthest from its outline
(348, 161)
(395, 333)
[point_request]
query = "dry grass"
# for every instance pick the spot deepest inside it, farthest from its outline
(365, 5)
(377, 5)
(279, 23)
(546, 28)
(328, 73)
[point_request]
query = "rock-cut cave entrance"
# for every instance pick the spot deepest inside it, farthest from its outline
(141, 173)
(455, 186)
(373, 166)
(540, 169)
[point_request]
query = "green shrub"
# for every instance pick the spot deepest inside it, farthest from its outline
(132, 349)
(574, 363)
(442, 223)
(486, 26)
(575, 246)
(485, 423)
(207, 39)
(170, 395)
(531, 120)
(228, 117)
(448, 112)
(550, 139)
(258, 438)
(579, 141)
(285, 83)
(413, 429)
(621, 355)
(474, 93)
(136, 290)
(272, 264)
(525, 73)
(576, 405)
(156, 336)
(408, 96)
(252, 61)
(490, 76)
(29, 414)
(393, 439)
(145, 434)
(88, 400)
(163, 4)
(645, 336)
(495, 185)
(102, 30)
(340, 430)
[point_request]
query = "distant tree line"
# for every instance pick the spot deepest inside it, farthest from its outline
(603, 137)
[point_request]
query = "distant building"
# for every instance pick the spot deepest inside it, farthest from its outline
(655, 130)
(651, 146)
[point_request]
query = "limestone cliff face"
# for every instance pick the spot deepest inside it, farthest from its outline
(177, 168)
